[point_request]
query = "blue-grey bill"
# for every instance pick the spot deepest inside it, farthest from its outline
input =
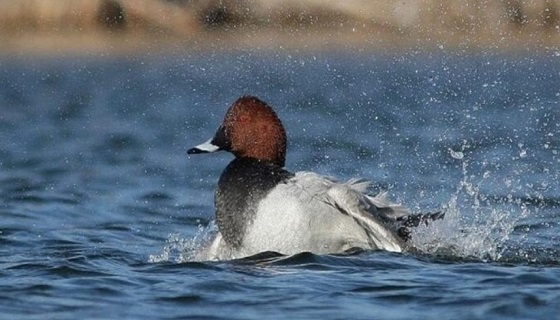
(205, 147)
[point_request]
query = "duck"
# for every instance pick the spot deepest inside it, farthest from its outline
(260, 206)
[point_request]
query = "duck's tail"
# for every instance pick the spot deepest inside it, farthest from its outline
(414, 220)
(399, 217)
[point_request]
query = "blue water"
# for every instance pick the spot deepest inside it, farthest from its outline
(101, 208)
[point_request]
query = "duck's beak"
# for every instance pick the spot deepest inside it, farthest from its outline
(217, 143)
(205, 147)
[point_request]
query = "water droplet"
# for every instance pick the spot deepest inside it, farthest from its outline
(456, 154)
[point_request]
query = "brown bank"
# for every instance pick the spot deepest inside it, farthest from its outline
(112, 26)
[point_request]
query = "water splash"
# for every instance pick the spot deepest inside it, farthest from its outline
(474, 225)
(179, 249)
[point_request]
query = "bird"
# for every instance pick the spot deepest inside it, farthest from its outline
(260, 206)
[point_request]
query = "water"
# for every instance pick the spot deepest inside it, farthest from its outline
(101, 208)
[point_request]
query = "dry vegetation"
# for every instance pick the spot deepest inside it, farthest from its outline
(93, 25)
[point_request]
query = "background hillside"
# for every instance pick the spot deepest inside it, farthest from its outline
(51, 26)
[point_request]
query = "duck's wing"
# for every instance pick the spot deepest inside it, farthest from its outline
(382, 205)
(399, 216)
(372, 214)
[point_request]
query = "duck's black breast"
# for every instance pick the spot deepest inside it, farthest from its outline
(244, 182)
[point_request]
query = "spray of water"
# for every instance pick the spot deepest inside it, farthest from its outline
(473, 227)
(179, 249)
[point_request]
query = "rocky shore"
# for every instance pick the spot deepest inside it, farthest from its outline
(93, 26)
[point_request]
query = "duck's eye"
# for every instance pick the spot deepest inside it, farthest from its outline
(243, 119)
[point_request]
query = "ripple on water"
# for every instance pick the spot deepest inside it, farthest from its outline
(102, 211)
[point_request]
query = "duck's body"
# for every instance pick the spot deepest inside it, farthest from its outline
(261, 207)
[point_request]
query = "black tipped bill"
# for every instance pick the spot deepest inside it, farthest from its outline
(206, 147)
(217, 143)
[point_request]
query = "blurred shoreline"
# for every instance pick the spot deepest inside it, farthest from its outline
(99, 27)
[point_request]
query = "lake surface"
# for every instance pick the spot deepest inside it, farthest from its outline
(101, 208)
